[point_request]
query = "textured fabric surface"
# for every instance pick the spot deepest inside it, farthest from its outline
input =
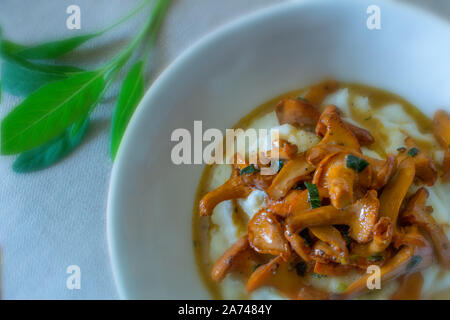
(57, 217)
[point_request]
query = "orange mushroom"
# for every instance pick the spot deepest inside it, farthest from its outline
(446, 166)
(323, 252)
(297, 112)
(360, 217)
(362, 135)
(332, 173)
(234, 188)
(283, 149)
(265, 235)
(416, 212)
(410, 258)
(331, 236)
(295, 170)
(287, 205)
(395, 191)
(276, 273)
(318, 152)
(224, 263)
(441, 121)
(382, 170)
(257, 180)
(260, 277)
(254, 178)
(299, 245)
(382, 237)
(390, 201)
(335, 131)
(425, 166)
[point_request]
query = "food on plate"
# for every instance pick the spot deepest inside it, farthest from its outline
(362, 184)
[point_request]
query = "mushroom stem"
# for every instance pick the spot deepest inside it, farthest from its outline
(409, 259)
(234, 188)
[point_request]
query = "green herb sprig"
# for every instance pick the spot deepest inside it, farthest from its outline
(53, 118)
(313, 195)
(355, 163)
(413, 152)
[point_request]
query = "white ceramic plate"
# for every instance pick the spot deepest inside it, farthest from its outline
(222, 78)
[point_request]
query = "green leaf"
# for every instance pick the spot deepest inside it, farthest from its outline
(131, 93)
(46, 155)
(54, 49)
(46, 113)
(413, 152)
(10, 47)
(355, 163)
(313, 195)
(249, 170)
(21, 77)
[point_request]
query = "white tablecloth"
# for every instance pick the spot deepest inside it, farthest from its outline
(57, 217)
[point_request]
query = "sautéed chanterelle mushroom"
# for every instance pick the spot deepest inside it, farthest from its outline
(364, 181)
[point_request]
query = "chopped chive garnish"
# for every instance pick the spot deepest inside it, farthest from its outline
(413, 152)
(318, 276)
(415, 260)
(356, 163)
(313, 195)
(280, 165)
(248, 170)
(376, 258)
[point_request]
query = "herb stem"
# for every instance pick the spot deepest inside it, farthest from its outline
(122, 20)
(160, 12)
(120, 59)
